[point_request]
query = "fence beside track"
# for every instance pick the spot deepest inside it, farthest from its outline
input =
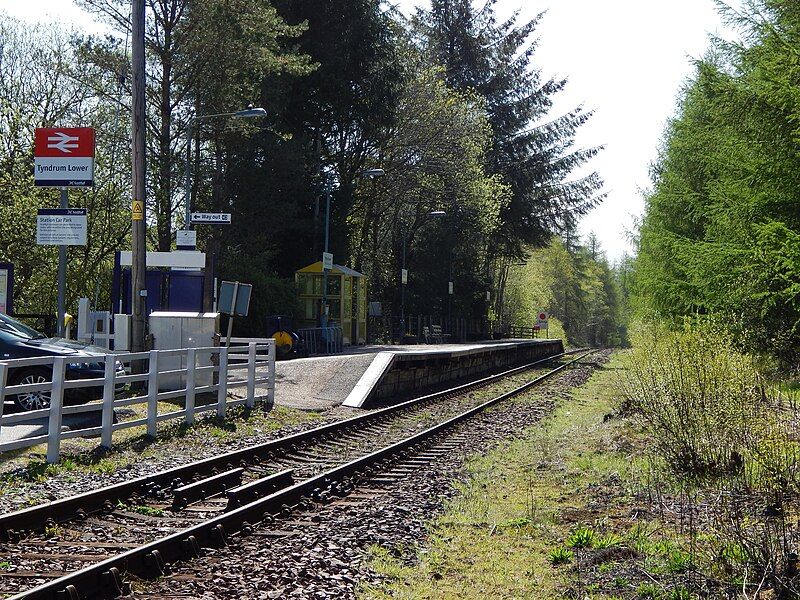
(184, 375)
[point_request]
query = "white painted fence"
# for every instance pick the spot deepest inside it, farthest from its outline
(240, 366)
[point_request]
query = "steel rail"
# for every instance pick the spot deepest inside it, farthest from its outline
(104, 579)
(15, 524)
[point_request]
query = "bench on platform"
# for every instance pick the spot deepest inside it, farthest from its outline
(434, 335)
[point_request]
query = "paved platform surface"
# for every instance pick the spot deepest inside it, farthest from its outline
(429, 348)
(324, 382)
(318, 383)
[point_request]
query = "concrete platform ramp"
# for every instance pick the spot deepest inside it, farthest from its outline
(396, 374)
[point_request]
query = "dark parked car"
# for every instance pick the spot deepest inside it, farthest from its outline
(17, 340)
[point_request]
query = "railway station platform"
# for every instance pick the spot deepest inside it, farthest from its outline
(365, 375)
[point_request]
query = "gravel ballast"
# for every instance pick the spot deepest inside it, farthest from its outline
(323, 554)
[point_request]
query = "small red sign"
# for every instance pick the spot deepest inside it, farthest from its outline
(64, 142)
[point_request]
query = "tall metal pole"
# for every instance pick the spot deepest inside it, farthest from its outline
(62, 274)
(324, 316)
(188, 176)
(138, 241)
(403, 288)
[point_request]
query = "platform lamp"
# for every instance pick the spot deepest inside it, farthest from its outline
(404, 273)
(248, 113)
(367, 174)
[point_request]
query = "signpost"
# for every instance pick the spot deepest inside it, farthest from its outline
(212, 218)
(327, 261)
(63, 157)
(542, 321)
(404, 276)
(234, 300)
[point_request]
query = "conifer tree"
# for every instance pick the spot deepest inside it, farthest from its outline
(536, 156)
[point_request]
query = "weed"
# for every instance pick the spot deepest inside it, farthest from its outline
(5, 565)
(560, 556)
(610, 540)
(53, 531)
(679, 593)
(678, 561)
(621, 582)
(515, 523)
(147, 511)
(582, 537)
(606, 567)
(649, 590)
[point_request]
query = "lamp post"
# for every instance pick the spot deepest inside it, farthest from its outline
(248, 113)
(404, 272)
(368, 174)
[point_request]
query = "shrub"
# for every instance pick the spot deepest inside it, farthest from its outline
(697, 396)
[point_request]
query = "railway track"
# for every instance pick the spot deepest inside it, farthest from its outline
(80, 547)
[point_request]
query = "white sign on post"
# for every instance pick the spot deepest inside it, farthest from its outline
(450, 287)
(404, 276)
(541, 320)
(327, 261)
(61, 227)
(186, 238)
(212, 218)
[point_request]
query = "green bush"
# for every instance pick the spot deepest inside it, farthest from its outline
(696, 394)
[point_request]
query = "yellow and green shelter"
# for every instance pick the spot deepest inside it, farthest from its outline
(347, 299)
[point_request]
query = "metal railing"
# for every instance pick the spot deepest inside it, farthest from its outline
(198, 372)
(322, 340)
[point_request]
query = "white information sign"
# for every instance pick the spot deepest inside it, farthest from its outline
(212, 218)
(61, 227)
(541, 320)
(404, 276)
(450, 287)
(327, 261)
(186, 238)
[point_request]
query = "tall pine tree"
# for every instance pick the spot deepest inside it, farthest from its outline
(534, 154)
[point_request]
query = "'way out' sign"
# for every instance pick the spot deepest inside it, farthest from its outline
(64, 157)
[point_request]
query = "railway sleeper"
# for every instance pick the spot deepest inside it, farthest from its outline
(209, 486)
(243, 494)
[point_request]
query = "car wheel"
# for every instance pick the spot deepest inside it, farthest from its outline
(33, 400)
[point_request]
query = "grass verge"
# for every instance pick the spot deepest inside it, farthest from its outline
(557, 513)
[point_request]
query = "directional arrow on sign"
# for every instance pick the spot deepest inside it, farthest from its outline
(62, 141)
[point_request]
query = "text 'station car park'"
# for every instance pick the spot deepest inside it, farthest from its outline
(17, 340)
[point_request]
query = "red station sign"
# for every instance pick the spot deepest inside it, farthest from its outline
(64, 157)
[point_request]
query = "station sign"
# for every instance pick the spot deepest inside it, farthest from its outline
(450, 287)
(211, 218)
(327, 261)
(61, 227)
(63, 157)
(404, 276)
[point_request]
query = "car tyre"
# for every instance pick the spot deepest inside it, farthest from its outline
(33, 400)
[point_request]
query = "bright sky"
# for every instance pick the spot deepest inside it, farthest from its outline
(624, 59)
